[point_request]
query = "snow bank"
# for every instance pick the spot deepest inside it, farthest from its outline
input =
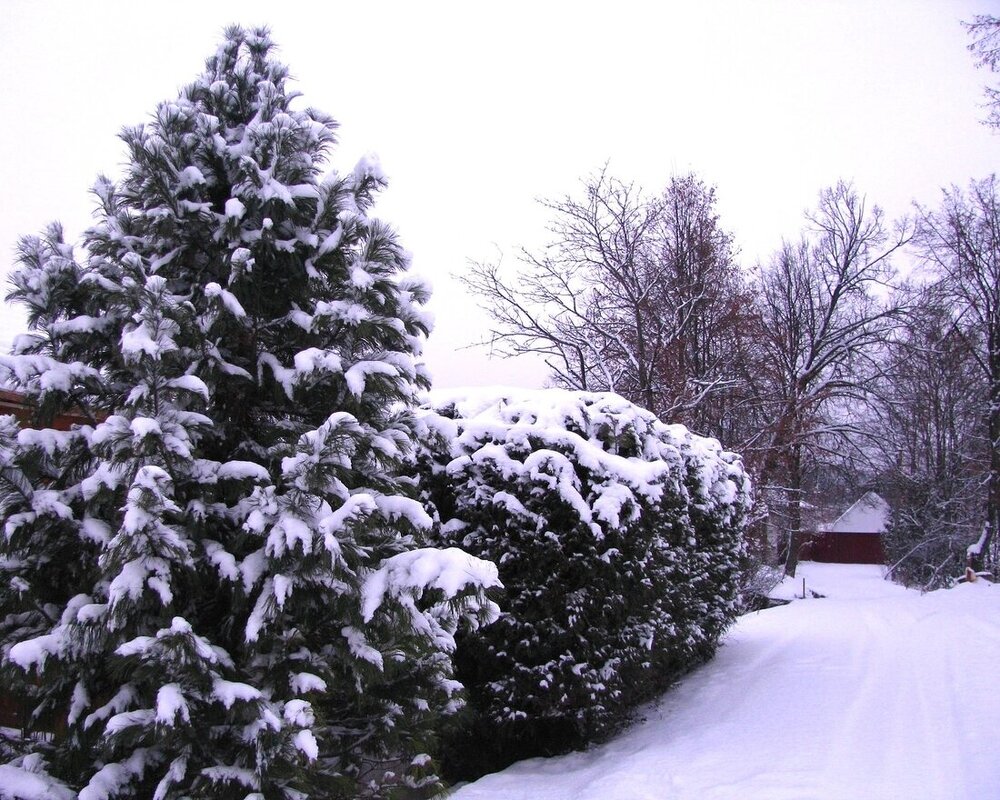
(853, 581)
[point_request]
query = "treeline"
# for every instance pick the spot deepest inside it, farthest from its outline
(821, 365)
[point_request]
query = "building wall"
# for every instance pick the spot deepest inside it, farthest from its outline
(18, 405)
(843, 548)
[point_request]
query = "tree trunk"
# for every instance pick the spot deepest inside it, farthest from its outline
(794, 510)
(979, 552)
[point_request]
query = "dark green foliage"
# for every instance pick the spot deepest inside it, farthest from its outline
(617, 539)
(214, 589)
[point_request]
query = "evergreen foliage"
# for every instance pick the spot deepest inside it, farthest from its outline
(215, 588)
(618, 540)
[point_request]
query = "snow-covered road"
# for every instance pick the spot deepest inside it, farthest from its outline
(871, 692)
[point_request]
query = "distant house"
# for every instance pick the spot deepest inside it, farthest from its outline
(855, 537)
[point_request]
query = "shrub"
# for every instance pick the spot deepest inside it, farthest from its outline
(618, 540)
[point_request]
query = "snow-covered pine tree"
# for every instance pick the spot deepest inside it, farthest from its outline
(215, 588)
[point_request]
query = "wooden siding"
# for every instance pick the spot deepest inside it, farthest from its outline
(843, 548)
(18, 405)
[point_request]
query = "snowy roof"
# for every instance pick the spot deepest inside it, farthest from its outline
(870, 514)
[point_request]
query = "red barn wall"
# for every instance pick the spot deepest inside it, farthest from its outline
(843, 548)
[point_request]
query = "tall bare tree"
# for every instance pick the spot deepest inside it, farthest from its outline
(822, 323)
(961, 242)
(707, 295)
(634, 294)
(985, 32)
(561, 303)
(934, 454)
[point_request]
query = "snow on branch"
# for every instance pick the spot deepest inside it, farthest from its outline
(451, 571)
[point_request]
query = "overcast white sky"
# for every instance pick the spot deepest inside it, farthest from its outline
(477, 109)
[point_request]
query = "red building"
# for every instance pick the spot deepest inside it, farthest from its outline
(854, 538)
(17, 404)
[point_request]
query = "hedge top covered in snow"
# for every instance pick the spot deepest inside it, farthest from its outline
(602, 431)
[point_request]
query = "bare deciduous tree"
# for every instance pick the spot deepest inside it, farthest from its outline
(634, 294)
(822, 324)
(961, 242)
(985, 32)
(568, 303)
(934, 453)
(703, 366)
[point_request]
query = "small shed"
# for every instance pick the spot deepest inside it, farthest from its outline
(16, 404)
(855, 537)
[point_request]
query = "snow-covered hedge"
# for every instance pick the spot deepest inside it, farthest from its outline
(617, 538)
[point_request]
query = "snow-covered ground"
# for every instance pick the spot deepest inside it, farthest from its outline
(873, 691)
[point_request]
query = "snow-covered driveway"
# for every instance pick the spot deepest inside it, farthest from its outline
(873, 692)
